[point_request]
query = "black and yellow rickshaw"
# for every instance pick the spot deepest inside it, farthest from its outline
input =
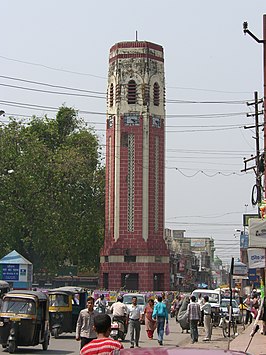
(24, 320)
(4, 288)
(65, 304)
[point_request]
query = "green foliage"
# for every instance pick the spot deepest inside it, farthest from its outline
(52, 192)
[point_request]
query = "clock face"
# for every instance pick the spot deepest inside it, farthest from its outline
(156, 121)
(131, 120)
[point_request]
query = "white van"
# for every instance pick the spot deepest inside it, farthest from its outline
(215, 301)
(214, 296)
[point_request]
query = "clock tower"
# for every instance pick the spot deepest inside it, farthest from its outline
(134, 255)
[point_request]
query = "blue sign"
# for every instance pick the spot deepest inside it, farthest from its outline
(252, 275)
(10, 272)
(244, 240)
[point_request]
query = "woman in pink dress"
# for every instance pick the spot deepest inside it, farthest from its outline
(150, 324)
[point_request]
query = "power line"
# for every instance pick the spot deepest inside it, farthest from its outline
(52, 68)
(51, 85)
(51, 92)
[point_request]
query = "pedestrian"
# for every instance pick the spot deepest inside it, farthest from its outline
(161, 315)
(207, 311)
(85, 325)
(165, 301)
(263, 316)
(103, 344)
(150, 324)
(193, 318)
(248, 303)
(134, 315)
(201, 303)
(101, 304)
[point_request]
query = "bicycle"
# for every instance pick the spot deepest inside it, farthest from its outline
(224, 324)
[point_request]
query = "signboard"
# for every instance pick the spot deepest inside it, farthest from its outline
(9, 272)
(240, 269)
(257, 233)
(252, 275)
(256, 258)
(197, 243)
(244, 240)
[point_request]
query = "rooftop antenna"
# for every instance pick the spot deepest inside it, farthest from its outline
(136, 36)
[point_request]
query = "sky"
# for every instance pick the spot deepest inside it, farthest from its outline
(66, 44)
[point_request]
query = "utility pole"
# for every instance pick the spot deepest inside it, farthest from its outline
(263, 41)
(257, 188)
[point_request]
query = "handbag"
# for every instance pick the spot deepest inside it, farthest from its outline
(167, 329)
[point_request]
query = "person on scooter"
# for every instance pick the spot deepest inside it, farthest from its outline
(119, 310)
(101, 304)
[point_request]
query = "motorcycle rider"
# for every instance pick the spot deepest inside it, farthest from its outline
(119, 310)
(101, 304)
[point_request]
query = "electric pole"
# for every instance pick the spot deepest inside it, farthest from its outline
(257, 189)
(263, 41)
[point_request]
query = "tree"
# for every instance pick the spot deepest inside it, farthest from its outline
(52, 191)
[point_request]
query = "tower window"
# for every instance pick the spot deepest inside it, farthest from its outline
(156, 94)
(111, 95)
(132, 92)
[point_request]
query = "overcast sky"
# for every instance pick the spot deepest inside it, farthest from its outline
(207, 58)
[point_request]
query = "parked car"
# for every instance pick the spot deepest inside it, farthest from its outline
(224, 307)
(142, 301)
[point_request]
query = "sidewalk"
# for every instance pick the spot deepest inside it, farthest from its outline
(257, 345)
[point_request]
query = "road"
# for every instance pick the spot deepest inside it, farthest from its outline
(67, 344)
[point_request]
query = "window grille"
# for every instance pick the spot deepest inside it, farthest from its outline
(132, 92)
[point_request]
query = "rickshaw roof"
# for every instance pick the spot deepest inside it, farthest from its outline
(24, 293)
(67, 290)
(4, 284)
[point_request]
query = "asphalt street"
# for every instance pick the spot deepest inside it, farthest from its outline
(66, 344)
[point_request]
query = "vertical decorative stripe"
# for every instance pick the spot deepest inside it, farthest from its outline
(131, 183)
(156, 184)
(109, 182)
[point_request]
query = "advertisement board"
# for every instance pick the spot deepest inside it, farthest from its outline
(9, 272)
(257, 233)
(256, 258)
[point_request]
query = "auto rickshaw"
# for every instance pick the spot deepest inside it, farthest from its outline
(24, 320)
(4, 288)
(65, 304)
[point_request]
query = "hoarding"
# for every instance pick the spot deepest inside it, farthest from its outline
(257, 233)
(256, 258)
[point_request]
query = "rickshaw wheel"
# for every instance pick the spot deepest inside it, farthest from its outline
(11, 347)
(46, 342)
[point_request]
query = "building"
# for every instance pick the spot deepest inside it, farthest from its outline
(134, 255)
(191, 260)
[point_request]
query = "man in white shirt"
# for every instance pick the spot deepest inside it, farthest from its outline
(134, 314)
(207, 310)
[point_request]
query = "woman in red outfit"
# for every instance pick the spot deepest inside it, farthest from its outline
(150, 324)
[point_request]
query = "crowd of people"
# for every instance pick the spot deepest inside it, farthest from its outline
(93, 328)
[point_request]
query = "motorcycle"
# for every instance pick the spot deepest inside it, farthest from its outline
(118, 329)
